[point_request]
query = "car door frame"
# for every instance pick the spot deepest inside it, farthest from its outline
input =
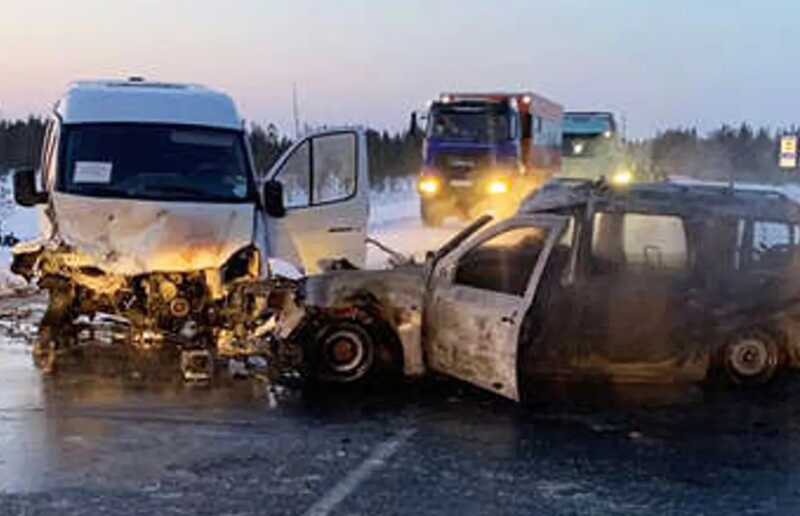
(442, 355)
(292, 249)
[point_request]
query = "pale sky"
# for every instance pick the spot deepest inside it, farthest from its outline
(682, 62)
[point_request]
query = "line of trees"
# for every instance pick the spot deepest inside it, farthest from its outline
(391, 156)
(744, 153)
(20, 142)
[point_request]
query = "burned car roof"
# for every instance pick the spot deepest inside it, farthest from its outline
(685, 200)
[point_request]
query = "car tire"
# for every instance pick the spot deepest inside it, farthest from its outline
(750, 358)
(352, 352)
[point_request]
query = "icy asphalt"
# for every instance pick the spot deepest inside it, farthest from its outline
(106, 444)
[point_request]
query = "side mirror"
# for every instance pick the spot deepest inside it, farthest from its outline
(273, 199)
(527, 122)
(25, 193)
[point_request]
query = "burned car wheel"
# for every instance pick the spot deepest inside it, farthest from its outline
(345, 353)
(750, 358)
(350, 352)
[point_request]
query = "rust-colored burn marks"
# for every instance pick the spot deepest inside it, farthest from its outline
(133, 237)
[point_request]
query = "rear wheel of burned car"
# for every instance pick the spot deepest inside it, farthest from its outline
(749, 358)
(351, 352)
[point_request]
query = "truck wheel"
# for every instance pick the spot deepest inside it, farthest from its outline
(750, 358)
(349, 352)
(432, 214)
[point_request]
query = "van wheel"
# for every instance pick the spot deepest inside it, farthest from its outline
(750, 358)
(351, 352)
(56, 331)
(44, 351)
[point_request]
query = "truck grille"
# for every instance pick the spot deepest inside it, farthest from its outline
(462, 165)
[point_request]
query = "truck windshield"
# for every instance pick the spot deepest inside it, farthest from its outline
(585, 145)
(473, 125)
(155, 161)
(587, 135)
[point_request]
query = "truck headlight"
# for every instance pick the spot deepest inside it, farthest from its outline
(622, 177)
(499, 185)
(429, 185)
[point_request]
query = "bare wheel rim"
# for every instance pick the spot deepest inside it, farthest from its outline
(346, 353)
(749, 357)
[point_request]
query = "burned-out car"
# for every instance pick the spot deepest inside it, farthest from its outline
(587, 282)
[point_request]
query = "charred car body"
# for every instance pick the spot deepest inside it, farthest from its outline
(151, 210)
(651, 283)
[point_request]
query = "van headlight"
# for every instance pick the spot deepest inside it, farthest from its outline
(243, 263)
(622, 177)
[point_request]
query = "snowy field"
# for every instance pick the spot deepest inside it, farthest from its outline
(394, 221)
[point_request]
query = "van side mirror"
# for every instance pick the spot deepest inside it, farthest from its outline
(25, 193)
(273, 199)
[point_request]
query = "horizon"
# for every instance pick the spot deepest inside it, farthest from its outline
(360, 63)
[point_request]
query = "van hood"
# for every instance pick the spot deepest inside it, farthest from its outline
(130, 237)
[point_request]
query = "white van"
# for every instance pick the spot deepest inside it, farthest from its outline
(151, 210)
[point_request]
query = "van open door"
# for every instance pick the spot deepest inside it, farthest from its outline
(325, 183)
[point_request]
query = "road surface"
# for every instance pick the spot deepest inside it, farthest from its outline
(94, 443)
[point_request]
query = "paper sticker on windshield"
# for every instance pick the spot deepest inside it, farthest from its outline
(92, 172)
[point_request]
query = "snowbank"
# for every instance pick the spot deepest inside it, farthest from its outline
(396, 202)
(790, 189)
(20, 222)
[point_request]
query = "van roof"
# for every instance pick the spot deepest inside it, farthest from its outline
(140, 101)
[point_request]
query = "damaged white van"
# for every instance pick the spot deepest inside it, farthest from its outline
(151, 210)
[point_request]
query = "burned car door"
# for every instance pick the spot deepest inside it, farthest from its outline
(478, 297)
(325, 189)
(636, 298)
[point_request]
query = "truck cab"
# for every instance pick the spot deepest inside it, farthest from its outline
(485, 151)
(593, 147)
(151, 210)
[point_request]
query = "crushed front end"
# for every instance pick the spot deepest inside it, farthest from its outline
(204, 315)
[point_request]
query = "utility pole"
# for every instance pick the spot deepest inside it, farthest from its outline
(624, 127)
(295, 111)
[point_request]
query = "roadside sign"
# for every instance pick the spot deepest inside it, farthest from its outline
(788, 156)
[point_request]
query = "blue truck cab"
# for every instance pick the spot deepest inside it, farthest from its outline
(472, 153)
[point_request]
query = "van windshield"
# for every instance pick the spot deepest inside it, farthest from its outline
(155, 161)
